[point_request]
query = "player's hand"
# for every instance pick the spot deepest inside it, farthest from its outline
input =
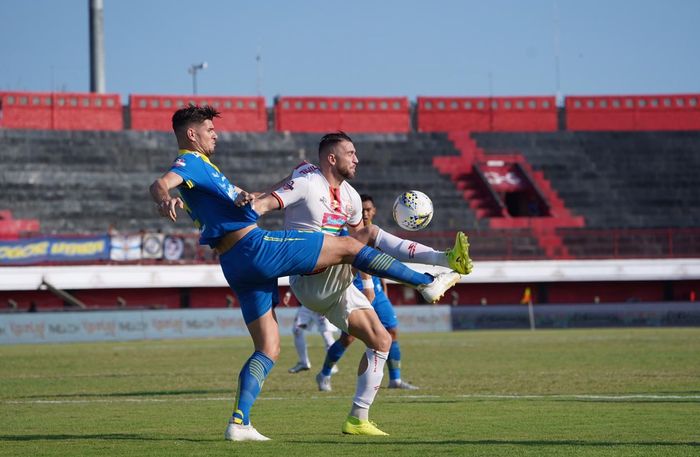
(167, 208)
(369, 293)
(244, 198)
(287, 297)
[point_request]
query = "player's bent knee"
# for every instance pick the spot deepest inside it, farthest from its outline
(380, 341)
(385, 342)
(272, 352)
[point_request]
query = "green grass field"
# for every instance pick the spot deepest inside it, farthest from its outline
(602, 392)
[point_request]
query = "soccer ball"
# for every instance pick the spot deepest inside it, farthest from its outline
(413, 210)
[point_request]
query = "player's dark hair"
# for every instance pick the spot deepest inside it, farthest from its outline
(193, 114)
(366, 198)
(331, 139)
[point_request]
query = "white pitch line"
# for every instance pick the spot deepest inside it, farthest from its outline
(324, 397)
(585, 397)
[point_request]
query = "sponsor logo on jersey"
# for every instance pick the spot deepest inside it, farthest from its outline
(333, 223)
(289, 185)
(179, 163)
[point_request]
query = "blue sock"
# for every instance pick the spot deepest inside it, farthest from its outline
(394, 361)
(335, 352)
(250, 381)
(377, 263)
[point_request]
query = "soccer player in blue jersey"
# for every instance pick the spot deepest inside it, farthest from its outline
(253, 259)
(386, 314)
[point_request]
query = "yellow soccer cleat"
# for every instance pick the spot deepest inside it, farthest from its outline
(458, 256)
(355, 426)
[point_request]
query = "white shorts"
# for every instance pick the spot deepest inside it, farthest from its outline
(306, 319)
(330, 293)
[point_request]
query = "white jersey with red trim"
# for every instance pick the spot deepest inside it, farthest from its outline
(310, 203)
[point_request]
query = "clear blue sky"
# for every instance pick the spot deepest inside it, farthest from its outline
(360, 47)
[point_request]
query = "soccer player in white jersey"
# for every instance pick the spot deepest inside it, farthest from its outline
(304, 321)
(319, 198)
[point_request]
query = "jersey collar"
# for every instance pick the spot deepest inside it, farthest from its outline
(200, 155)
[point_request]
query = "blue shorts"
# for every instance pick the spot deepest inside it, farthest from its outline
(385, 310)
(252, 265)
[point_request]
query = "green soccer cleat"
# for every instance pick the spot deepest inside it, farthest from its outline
(458, 256)
(355, 426)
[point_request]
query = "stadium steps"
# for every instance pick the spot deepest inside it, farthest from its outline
(466, 172)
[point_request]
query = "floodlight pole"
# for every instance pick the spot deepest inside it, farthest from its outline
(97, 51)
(559, 100)
(193, 71)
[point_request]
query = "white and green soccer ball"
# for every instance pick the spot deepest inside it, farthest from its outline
(413, 210)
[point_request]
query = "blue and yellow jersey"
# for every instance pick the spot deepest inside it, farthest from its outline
(209, 197)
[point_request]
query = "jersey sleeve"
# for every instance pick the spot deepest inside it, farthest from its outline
(293, 190)
(355, 217)
(188, 167)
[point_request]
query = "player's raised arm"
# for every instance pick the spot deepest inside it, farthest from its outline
(160, 193)
(261, 203)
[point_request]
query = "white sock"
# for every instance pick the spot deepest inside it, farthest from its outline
(300, 345)
(368, 383)
(409, 251)
(328, 339)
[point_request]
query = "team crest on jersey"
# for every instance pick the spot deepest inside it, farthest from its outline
(179, 162)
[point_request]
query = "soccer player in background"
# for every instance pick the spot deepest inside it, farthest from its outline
(252, 259)
(305, 320)
(387, 316)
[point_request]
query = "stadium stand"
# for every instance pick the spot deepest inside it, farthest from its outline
(84, 182)
(60, 111)
(350, 114)
(623, 184)
(633, 112)
(238, 114)
(487, 114)
(615, 179)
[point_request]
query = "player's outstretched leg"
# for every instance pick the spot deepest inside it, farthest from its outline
(337, 250)
(376, 263)
(456, 258)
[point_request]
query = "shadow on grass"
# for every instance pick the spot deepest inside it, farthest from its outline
(383, 442)
(138, 393)
(374, 441)
(104, 436)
